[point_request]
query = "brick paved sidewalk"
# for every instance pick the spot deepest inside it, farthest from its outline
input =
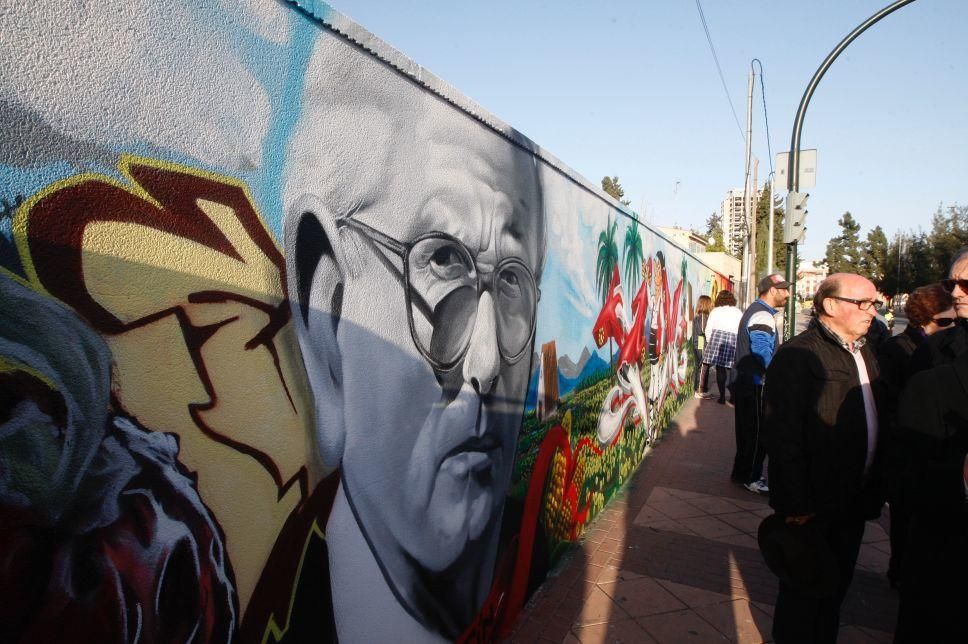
(673, 558)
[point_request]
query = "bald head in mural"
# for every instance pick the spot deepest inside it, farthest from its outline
(414, 240)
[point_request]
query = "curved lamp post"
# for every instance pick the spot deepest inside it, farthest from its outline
(793, 169)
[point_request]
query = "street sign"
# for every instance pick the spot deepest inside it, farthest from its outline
(808, 169)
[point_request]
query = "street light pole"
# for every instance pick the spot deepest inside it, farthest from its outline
(793, 169)
(897, 287)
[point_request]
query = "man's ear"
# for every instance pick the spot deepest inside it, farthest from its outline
(828, 304)
(316, 272)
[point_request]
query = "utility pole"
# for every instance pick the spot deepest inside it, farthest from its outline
(749, 234)
(793, 174)
(769, 241)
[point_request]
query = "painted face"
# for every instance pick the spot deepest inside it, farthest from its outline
(430, 444)
(960, 272)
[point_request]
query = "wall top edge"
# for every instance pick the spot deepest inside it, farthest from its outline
(334, 21)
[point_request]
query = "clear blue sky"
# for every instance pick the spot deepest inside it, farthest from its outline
(630, 88)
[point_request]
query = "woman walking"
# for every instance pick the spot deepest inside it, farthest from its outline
(721, 329)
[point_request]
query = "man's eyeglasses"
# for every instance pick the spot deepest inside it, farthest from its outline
(943, 322)
(863, 305)
(950, 284)
(442, 286)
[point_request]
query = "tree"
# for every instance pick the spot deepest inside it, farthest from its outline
(614, 188)
(949, 234)
(607, 258)
(634, 255)
(874, 259)
(918, 258)
(763, 233)
(919, 262)
(844, 251)
(714, 231)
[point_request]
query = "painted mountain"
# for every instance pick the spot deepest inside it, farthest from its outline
(570, 374)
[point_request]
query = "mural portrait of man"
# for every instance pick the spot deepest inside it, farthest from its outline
(414, 240)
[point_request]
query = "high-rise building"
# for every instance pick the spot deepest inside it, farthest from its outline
(731, 219)
(731, 213)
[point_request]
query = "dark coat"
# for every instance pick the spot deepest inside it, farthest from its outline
(877, 334)
(894, 359)
(933, 421)
(941, 347)
(816, 429)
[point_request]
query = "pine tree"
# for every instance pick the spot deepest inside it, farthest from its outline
(763, 230)
(714, 231)
(844, 251)
(874, 258)
(949, 234)
(614, 188)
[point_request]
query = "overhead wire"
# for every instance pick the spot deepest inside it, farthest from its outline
(719, 68)
(766, 118)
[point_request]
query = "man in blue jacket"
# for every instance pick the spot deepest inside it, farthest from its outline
(756, 342)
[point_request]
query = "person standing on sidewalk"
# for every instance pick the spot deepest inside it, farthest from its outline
(756, 343)
(929, 309)
(945, 347)
(821, 428)
(721, 331)
(932, 419)
(701, 370)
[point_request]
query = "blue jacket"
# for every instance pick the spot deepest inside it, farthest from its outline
(756, 343)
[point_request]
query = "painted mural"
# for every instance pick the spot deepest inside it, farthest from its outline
(295, 343)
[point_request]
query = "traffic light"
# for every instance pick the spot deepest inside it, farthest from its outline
(795, 217)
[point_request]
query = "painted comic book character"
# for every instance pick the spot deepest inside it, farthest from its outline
(103, 535)
(626, 399)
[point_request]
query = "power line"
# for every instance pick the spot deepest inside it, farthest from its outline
(722, 79)
(766, 119)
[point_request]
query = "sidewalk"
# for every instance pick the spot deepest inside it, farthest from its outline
(674, 557)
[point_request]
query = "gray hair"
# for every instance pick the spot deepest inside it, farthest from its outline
(959, 256)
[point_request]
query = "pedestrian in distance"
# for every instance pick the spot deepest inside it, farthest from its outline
(721, 328)
(929, 309)
(704, 305)
(821, 428)
(756, 343)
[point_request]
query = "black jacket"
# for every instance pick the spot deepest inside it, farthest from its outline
(933, 420)
(894, 359)
(941, 347)
(816, 429)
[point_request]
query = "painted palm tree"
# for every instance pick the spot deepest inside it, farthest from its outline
(607, 258)
(607, 262)
(633, 256)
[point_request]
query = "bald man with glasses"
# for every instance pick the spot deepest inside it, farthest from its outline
(821, 427)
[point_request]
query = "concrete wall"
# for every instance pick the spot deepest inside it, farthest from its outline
(281, 318)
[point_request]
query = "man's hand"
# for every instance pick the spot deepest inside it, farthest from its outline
(800, 520)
